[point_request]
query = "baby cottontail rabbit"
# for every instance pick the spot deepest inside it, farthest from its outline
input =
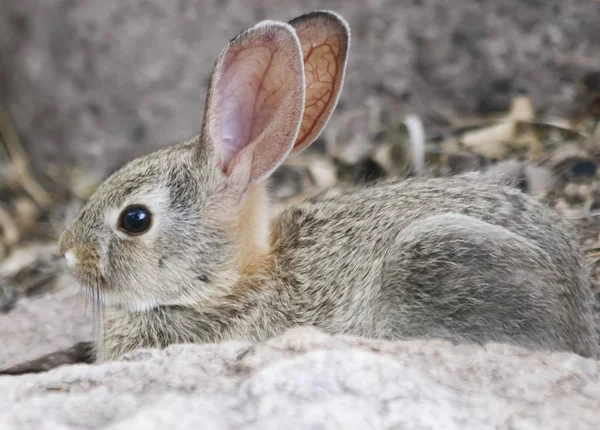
(179, 245)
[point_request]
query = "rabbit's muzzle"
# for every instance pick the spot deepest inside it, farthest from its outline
(82, 260)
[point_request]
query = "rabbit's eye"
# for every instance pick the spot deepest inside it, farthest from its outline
(135, 220)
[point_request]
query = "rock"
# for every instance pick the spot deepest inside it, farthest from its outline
(539, 180)
(508, 172)
(305, 380)
(94, 84)
(40, 325)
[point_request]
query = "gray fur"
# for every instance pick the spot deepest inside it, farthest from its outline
(440, 258)
(449, 258)
(464, 258)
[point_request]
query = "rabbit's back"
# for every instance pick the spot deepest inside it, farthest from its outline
(338, 226)
(340, 247)
(388, 207)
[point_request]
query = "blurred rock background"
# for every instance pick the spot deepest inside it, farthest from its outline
(92, 84)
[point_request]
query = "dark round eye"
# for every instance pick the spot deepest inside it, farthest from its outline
(135, 220)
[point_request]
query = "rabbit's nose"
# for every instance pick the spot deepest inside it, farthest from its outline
(71, 258)
(67, 249)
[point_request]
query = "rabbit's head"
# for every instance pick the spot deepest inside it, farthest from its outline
(181, 225)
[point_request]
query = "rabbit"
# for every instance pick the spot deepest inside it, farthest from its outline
(180, 246)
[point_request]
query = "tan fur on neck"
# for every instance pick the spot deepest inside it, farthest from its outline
(253, 229)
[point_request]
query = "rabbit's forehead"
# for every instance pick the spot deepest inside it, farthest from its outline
(119, 189)
(176, 187)
(159, 172)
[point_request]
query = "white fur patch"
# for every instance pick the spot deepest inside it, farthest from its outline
(71, 259)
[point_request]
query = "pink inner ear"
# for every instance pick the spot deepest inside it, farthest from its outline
(250, 91)
(255, 102)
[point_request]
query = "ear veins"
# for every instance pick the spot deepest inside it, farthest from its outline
(258, 92)
(324, 39)
(253, 120)
(321, 66)
(256, 100)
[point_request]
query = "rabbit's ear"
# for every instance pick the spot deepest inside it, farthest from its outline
(255, 102)
(325, 39)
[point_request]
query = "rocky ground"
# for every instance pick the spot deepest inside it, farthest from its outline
(308, 380)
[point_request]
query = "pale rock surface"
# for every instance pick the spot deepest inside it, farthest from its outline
(43, 324)
(308, 380)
